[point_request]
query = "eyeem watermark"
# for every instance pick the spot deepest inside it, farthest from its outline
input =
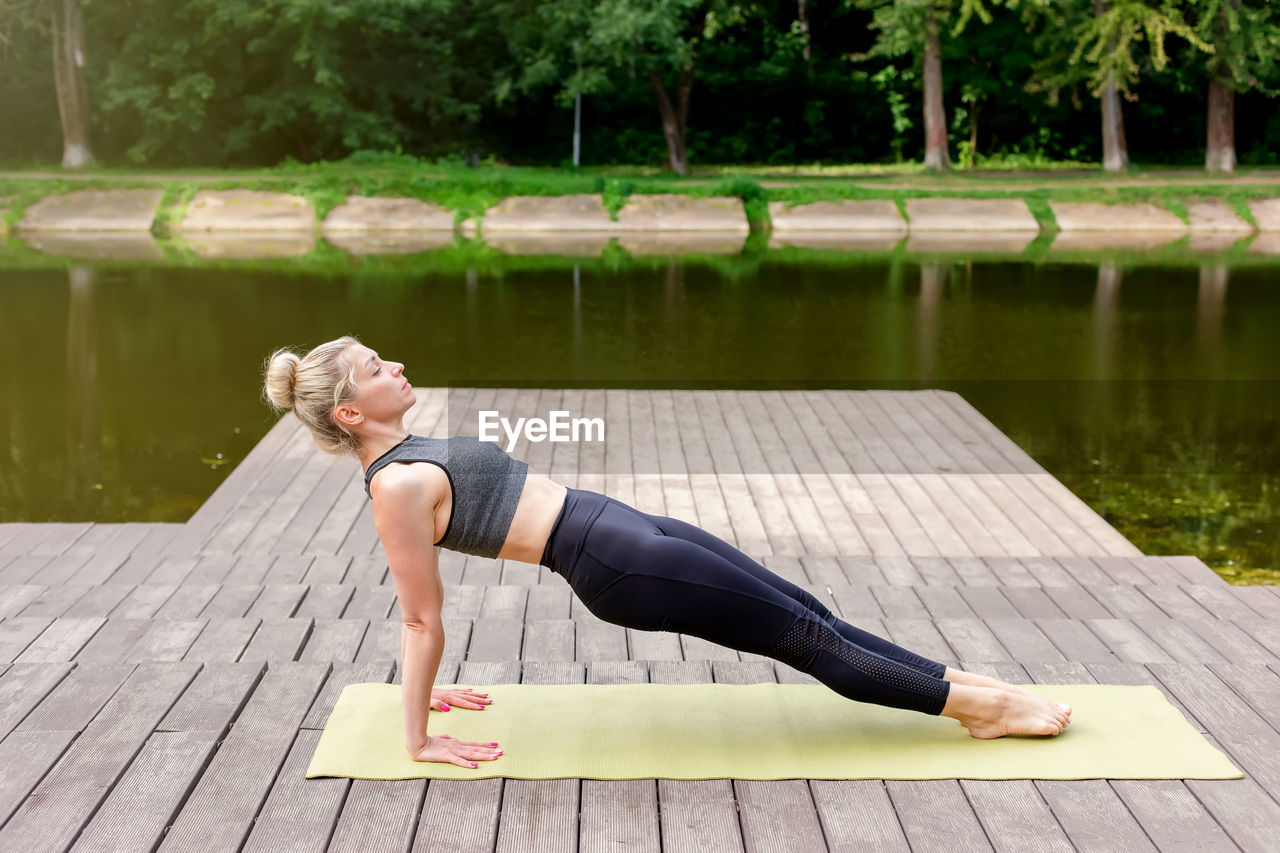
(559, 428)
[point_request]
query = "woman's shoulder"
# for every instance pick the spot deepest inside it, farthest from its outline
(400, 482)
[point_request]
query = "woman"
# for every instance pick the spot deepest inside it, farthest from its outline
(638, 570)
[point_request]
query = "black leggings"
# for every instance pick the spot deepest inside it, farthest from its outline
(654, 573)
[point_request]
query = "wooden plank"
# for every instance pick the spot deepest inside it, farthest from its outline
(278, 640)
(1127, 641)
(334, 639)
(1251, 743)
(99, 600)
(370, 602)
(778, 814)
(1089, 810)
(1024, 640)
(862, 570)
(278, 600)
(166, 640)
(326, 570)
(381, 642)
(68, 796)
(541, 814)
(232, 600)
(619, 813)
(944, 602)
(454, 815)
(1193, 570)
(695, 815)
(142, 804)
(220, 811)
(223, 640)
(26, 758)
(344, 674)
(216, 697)
(597, 640)
(898, 601)
(250, 568)
(187, 602)
(299, 813)
(1012, 571)
(23, 570)
(1241, 807)
(495, 640)
(17, 633)
(919, 635)
(1219, 601)
(1228, 638)
(1014, 816)
(143, 601)
(1076, 602)
(63, 569)
(54, 601)
(114, 641)
(987, 458)
(14, 597)
(1033, 602)
(60, 641)
(972, 640)
(935, 815)
(25, 686)
(1074, 639)
(1181, 643)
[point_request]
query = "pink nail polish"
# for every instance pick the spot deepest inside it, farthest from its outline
(493, 744)
(473, 764)
(446, 707)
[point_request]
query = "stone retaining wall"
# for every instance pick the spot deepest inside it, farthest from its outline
(241, 223)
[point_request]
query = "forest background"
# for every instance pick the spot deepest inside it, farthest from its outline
(230, 83)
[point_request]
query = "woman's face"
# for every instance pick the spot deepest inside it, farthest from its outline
(384, 394)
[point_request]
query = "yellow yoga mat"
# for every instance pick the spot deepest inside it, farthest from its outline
(761, 731)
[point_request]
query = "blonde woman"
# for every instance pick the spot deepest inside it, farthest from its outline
(642, 571)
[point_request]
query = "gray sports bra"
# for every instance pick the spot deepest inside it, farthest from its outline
(485, 481)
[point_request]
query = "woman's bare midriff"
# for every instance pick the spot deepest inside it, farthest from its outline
(540, 502)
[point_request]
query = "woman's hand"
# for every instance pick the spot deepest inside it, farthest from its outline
(452, 697)
(447, 749)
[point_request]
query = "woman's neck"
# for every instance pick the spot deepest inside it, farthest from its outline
(382, 439)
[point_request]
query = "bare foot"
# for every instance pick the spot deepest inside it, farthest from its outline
(989, 712)
(960, 676)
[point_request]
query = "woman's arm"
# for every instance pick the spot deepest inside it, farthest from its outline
(404, 513)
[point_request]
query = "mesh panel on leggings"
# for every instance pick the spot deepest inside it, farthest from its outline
(804, 636)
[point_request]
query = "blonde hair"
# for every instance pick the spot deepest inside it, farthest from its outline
(313, 386)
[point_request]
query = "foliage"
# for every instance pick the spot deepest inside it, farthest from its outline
(178, 83)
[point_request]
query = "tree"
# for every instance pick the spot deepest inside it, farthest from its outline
(656, 39)
(65, 28)
(912, 27)
(1245, 36)
(1095, 41)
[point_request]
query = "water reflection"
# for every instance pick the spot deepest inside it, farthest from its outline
(1148, 388)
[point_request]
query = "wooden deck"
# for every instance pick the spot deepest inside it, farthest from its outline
(163, 686)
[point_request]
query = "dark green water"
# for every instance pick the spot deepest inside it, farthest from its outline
(1149, 389)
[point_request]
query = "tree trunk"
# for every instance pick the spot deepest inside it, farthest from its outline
(68, 78)
(1115, 154)
(674, 118)
(973, 134)
(936, 157)
(802, 18)
(1221, 153)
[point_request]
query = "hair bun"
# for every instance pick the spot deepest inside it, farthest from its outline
(282, 372)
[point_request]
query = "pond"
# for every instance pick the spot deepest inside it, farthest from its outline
(1146, 383)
